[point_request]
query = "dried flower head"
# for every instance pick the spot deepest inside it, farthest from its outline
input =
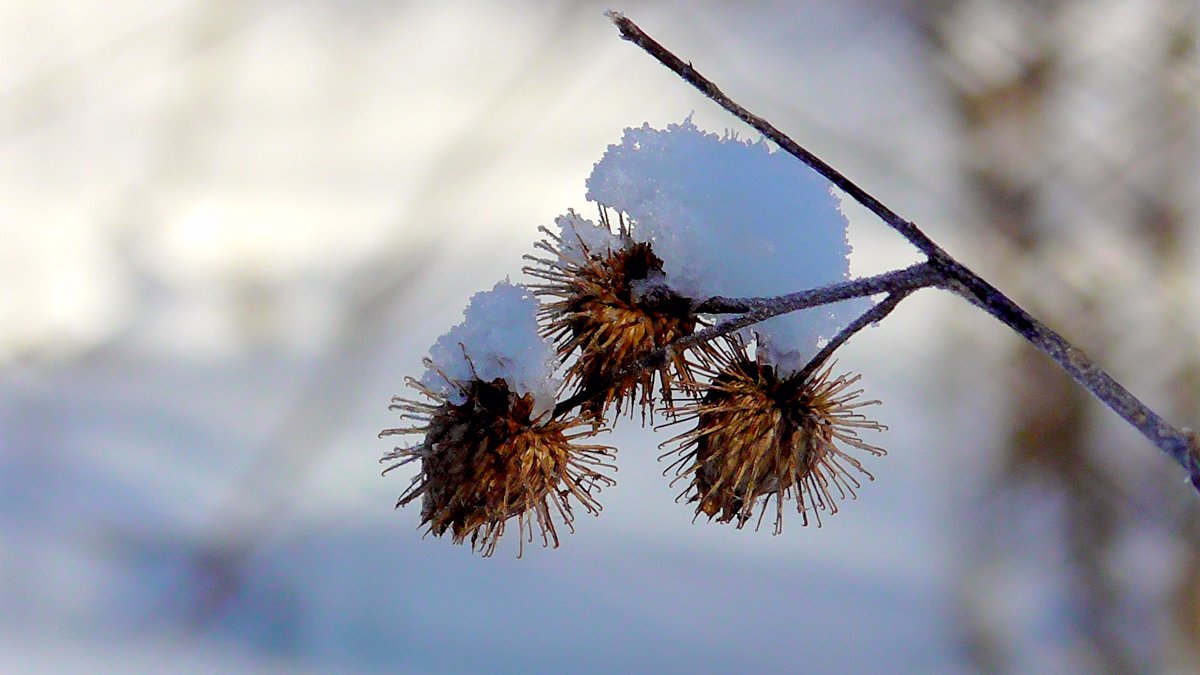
(607, 305)
(759, 435)
(489, 458)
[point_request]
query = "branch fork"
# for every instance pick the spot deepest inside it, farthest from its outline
(939, 269)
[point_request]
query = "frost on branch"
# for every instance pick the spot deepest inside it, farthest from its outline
(733, 218)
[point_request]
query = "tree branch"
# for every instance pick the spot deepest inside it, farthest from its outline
(1180, 444)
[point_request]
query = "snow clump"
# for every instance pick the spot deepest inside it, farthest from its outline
(578, 234)
(499, 336)
(733, 218)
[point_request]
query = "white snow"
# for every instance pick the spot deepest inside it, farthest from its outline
(581, 237)
(498, 338)
(734, 218)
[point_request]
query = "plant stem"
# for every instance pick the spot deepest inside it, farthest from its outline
(1180, 444)
(760, 309)
(631, 32)
(869, 317)
(754, 310)
(910, 278)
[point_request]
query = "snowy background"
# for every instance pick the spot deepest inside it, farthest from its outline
(231, 229)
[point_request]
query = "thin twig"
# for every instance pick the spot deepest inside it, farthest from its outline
(869, 317)
(1180, 444)
(756, 310)
(910, 278)
(630, 31)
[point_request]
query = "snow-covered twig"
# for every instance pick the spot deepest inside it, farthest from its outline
(1181, 444)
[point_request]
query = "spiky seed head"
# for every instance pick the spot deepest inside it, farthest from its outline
(758, 435)
(486, 461)
(608, 308)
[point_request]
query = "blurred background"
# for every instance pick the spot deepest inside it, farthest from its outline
(230, 230)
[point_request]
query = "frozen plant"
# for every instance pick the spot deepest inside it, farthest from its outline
(618, 302)
(732, 218)
(498, 338)
(606, 309)
(624, 316)
(490, 449)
